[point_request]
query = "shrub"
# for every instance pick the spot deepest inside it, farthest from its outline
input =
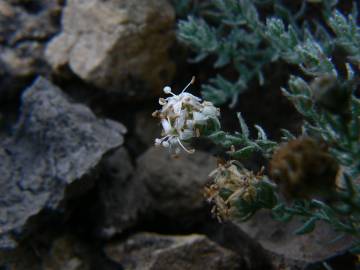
(318, 171)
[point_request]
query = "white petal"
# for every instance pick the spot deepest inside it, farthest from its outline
(189, 96)
(165, 144)
(180, 121)
(166, 125)
(177, 107)
(199, 118)
(190, 124)
(210, 111)
(186, 134)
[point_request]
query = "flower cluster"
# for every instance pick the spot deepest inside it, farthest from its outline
(231, 183)
(183, 117)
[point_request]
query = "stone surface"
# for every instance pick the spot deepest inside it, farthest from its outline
(231, 237)
(123, 199)
(176, 185)
(25, 27)
(292, 250)
(55, 142)
(60, 252)
(116, 45)
(148, 251)
(66, 253)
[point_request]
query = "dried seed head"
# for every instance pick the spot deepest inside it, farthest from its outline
(230, 183)
(330, 95)
(304, 168)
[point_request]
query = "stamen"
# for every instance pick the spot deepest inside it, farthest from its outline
(156, 114)
(167, 90)
(191, 151)
(190, 83)
(197, 131)
(162, 101)
(161, 140)
(164, 138)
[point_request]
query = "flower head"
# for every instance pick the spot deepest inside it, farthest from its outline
(182, 117)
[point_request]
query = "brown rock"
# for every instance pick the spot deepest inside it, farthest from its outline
(290, 250)
(146, 127)
(110, 43)
(25, 27)
(176, 185)
(65, 254)
(147, 251)
(46, 251)
(123, 198)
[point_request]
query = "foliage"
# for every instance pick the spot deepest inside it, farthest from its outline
(325, 51)
(247, 145)
(236, 36)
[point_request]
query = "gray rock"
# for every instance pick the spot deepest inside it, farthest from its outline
(55, 142)
(25, 27)
(124, 199)
(116, 44)
(176, 185)
(148, 251)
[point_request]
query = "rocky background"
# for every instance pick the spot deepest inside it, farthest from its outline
(82, 186)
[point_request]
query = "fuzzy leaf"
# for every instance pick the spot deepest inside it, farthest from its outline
(307, 227)
(217, 136)
(244, 127)
(287, 135)
(279, 213)
(243, 153)
(261, 133)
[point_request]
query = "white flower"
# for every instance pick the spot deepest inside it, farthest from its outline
(181, 116)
